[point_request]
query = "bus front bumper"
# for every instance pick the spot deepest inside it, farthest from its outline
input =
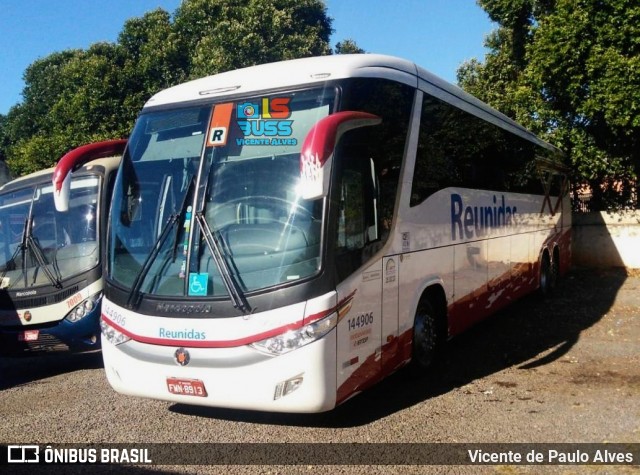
(77, 337)
(303, 380)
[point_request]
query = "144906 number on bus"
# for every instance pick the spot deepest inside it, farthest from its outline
(361, 321)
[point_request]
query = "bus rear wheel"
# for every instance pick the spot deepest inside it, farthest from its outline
(547, 276)
(555, 269)
(426, 340)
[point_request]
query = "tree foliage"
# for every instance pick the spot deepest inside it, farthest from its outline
(569, 70)
(78, 96)
(223, 35)
(348, 46)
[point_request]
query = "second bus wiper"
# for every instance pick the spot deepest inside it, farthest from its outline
(21, 249)
(38, 253)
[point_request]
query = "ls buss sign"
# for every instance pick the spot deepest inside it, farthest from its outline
(265, 121)
(57, 455)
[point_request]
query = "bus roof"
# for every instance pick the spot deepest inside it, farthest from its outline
(41, 175)
(293, 73)
(305, 71)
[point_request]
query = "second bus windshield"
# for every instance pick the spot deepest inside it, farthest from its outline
(41, 246)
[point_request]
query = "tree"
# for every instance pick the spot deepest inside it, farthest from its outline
(570, 70)
(586, 65)
(5, 174)
(155, 58)
(79, 96)
(75, 102)
(348, 46)
(223, 35)
(43, 84)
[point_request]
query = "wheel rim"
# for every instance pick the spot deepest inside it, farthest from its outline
(424, 337)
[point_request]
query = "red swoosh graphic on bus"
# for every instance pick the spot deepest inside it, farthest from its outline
(342, 308)
(319, 143)
(344, 304)
(463, 313)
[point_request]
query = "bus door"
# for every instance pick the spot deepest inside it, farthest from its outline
(359, 331)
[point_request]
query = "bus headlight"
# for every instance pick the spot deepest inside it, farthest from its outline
(294, 339)
(84, 308)
(112, 335)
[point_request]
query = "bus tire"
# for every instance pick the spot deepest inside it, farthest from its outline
(546, 277)
(426, 337)
(555, 269)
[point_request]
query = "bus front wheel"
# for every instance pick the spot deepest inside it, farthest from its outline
(425, 335)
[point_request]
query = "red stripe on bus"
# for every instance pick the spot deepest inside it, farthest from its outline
(325, 313)
(206, 343)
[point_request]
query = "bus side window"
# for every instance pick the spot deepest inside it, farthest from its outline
(367, 166)
(351, 222)
(360, 214)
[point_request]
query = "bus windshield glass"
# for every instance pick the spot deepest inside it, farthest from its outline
(209, 198)
(41, 246)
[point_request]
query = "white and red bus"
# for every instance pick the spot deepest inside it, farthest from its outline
(50, 260)
(284, 236)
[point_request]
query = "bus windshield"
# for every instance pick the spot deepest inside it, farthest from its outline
(41, 246)
(208, 201)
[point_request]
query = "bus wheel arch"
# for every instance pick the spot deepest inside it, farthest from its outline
(430, 328)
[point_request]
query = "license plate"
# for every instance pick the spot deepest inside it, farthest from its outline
(186, 387)
(28, 335)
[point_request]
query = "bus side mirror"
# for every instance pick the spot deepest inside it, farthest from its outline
(73, 160)
(61, 193)
(318, 147)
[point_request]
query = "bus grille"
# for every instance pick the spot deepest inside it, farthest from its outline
(31, 302)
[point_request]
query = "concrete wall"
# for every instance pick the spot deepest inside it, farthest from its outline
(606, 239)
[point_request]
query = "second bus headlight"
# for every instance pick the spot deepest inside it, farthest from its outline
(84, 308)
(294, 339)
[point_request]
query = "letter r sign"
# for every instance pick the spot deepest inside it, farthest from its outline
(219, 125)
(218, 136)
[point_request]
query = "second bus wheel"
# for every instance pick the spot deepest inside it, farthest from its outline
(426, 338)
(555, 269)
(546, 275)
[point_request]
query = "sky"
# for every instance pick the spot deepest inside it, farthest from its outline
(439, 35)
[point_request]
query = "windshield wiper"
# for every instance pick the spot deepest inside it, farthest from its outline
(134, 293)
(228, 279)
(148, 262)
(38, 253)
(22, 249)
(29, 243)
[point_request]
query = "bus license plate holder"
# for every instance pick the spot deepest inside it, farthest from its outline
(28, 335)
(186, 387)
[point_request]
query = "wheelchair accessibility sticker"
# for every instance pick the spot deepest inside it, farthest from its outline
(198, 284)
